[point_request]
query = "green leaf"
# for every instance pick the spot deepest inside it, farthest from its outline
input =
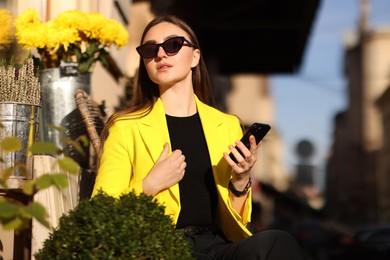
(29, 188)
(24, 214)
(37, 211)
(43, 182)
(43, 148)
(83, 140)
(60, 180)
(83, 67)
(76, 144)
(14, 224)
(57, 128)
(69, 165)
(8, 210)
(103, 58)
(92, 48)
(47, 180)
(3, 183)
(8, 172)
(77, 52)
(11, 144)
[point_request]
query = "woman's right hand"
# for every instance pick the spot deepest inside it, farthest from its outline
(167, 171)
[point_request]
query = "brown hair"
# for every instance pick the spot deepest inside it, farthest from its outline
(145, 91)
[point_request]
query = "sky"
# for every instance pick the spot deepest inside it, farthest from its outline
(307, 101)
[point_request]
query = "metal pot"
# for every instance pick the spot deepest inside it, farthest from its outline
(58, 102)
(21, 121)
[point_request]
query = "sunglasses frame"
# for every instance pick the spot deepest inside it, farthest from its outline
(158, 45)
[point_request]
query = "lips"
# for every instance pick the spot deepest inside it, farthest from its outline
(163, 66)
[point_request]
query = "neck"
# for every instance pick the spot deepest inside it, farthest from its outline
(179, 101)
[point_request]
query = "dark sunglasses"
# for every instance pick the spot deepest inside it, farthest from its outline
(170, 46)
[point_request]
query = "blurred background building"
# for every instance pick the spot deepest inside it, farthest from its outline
(358, 172)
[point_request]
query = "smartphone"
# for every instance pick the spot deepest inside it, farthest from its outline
(258, 130)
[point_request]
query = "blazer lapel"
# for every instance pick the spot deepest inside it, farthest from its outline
(154, 132)
(215, 131)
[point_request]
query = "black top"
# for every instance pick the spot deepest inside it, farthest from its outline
(198, 194)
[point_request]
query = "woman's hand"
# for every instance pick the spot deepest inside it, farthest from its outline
(244, 163)
(167, 171)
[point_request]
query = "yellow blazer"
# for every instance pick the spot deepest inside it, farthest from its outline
(134, 144)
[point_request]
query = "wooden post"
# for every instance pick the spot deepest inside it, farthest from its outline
(15, 244)
(6, 244)
(57, 202)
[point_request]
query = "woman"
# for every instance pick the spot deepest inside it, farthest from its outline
(173, 145)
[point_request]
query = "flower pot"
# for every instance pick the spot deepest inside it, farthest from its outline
(58, 104)
(18, 120)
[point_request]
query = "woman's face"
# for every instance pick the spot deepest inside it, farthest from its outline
(167, 70)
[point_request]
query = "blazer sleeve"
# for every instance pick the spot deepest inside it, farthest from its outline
(232, 223)
(115, 167)
(246, 216)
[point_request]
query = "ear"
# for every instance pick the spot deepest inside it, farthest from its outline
(195, 58)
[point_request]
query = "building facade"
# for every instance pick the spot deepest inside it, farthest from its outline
(355, 173)
(383, 160)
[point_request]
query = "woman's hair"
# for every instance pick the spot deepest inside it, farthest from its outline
(145, 91)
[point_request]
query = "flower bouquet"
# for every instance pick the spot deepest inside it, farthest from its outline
(72, 37)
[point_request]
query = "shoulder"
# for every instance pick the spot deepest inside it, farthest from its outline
(218, 114)
(127, 120)
(216, 118)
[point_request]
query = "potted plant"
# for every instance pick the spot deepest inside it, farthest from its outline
(20, 97)
(66, 48)
(131, 227)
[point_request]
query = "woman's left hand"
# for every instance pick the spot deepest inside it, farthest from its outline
(244, 163)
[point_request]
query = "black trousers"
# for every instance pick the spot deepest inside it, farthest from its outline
(266, 245)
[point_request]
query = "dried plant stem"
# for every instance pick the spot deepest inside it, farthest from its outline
(20, 85)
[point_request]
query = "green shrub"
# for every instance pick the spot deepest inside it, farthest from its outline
(133, 227)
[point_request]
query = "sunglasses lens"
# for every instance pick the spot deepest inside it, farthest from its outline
(173, 45)
(147, 51)
(170, 46)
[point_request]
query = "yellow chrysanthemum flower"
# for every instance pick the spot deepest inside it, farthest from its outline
(30, 16)
(70, 36)
(113, 33)
(95, 22)
(73, 19)
(6, 30)
(29, 29)
(56, 38)
(31, 36)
